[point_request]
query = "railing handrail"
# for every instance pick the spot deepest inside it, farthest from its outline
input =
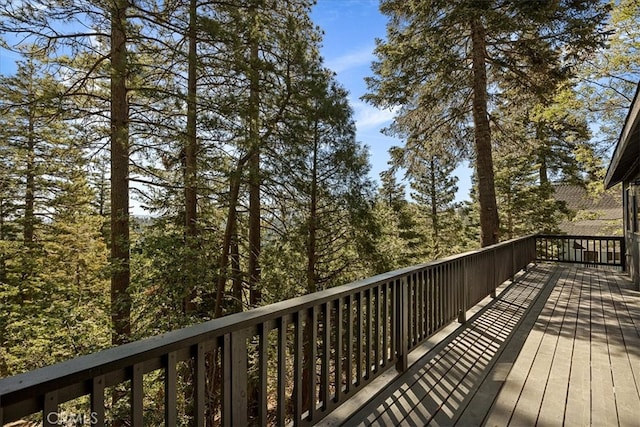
(87, 366)
(578, 236)
(418, 300)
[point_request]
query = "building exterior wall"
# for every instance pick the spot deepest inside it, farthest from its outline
(631, 197)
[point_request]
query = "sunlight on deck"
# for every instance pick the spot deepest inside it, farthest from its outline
(561, 345)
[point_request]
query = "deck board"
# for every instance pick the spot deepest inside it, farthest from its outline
(578, 407)
(555, 394)
(561, 346)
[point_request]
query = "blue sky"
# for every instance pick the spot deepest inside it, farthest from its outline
(350, 29)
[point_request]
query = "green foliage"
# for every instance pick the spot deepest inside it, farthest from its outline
(610, 77)
(262, 90)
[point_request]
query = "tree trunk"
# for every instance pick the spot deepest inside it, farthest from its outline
(190, 166)
(223, 261)
(120, 272)
(489, 222)
(236, 275)
(254, 166)
(29, 197)
(435, 229)
(542, 152)
(312, 278)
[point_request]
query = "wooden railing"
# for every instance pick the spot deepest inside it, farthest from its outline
(590, 250)
(289, 362)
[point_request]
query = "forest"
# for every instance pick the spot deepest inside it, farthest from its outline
(221, 120)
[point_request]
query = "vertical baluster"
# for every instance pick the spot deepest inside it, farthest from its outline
(546, 248)
(282, 371)
(512, 268)
(393, 317)
(420, 311)
(415, 277)
(442, 295)
(359, 338)
(200, 376)
(423, 281)
(311, 363)
(170, 392)
(50, 414)
(433, 292)
(368, 345)
(227, 396)
(97, 401)
(454, 283)
(137, 410)
(494, 277)
(385, 323)
(461, 274)
(297, 368)
(450, 312)
(263, 354)
(349, 372)
(326, 353)
(452, 290)
(413, 307)
(339, 342)
(462, 313)
(376, 340)
(438, 297)
(600, 251)
(429, 307)
(403, 318)
(239, 389)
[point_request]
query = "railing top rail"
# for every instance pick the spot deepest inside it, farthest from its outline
(577, 236)
(86, 367)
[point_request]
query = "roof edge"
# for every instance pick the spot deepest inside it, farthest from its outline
(623, 141)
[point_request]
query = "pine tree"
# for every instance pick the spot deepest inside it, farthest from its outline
(53, 253)
(610, 77)
(448, 56)
(434, 189)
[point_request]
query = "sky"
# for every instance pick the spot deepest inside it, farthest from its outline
(350, 30)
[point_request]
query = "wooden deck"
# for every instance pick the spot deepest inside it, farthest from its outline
(560, 346)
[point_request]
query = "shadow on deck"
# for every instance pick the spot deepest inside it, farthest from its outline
(560, 345)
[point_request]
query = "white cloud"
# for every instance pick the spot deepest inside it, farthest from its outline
(351, 60)
(368, 117)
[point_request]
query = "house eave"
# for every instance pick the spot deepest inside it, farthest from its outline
(624, 160)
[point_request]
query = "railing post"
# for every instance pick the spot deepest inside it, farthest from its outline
(623, 253)
(239, 406)
(402, 336)
(50, 407)
(513, 262)
(462, 313)
(493, 280)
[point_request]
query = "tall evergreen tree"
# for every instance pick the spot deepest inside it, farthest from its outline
(434, 190)
(610, 77)
(457, 56)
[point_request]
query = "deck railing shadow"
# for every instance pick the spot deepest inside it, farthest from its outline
(439, 387)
